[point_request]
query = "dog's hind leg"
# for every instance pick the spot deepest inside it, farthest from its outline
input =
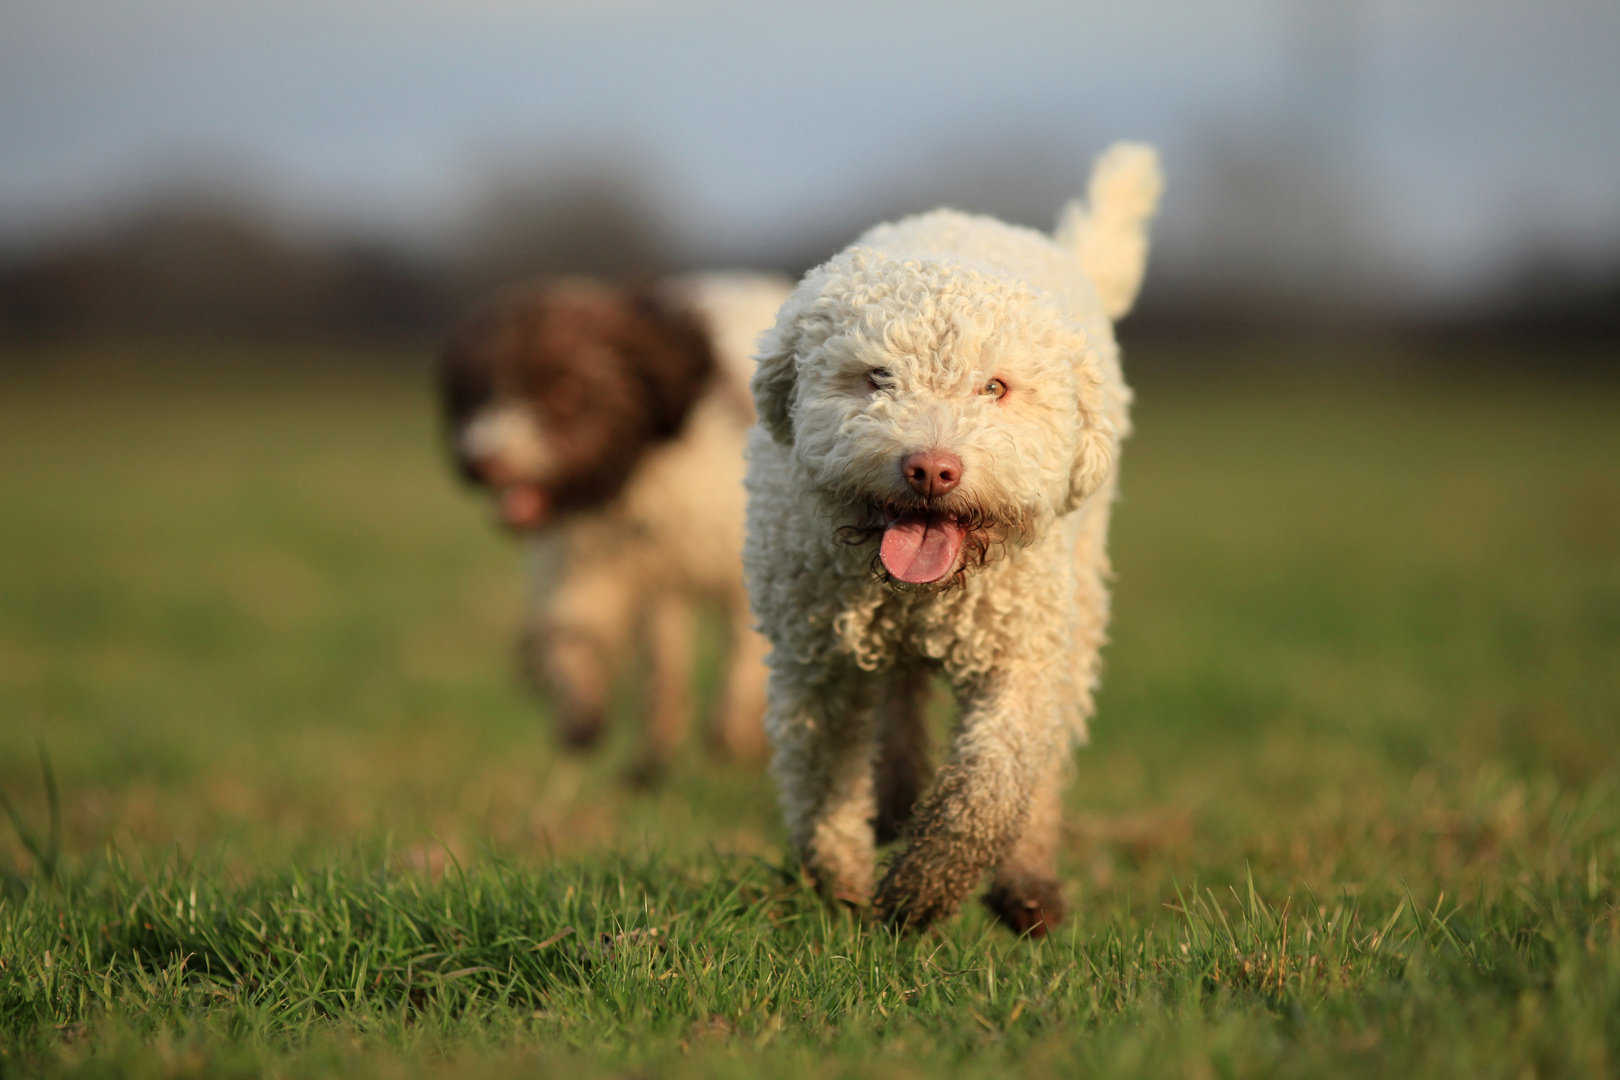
(981, 802)
(820, 725)
(739, 731)
(1025, 893)
(902, 748)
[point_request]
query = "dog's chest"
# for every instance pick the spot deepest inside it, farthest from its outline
(971, 629)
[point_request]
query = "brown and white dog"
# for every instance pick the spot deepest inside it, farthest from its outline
(609, 424)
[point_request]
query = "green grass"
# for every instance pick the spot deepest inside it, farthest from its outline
(1351, 808)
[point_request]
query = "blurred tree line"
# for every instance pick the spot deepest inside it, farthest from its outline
(213, 265)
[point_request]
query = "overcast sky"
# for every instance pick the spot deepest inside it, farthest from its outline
(1467, 129)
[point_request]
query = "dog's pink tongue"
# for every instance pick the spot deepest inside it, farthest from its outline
(919, 548)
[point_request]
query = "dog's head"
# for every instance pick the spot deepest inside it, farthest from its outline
(949, 408)
(553, 393)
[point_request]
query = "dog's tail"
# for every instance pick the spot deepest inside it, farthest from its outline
(1108, 230)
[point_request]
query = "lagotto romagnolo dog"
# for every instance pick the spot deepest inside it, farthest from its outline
(609, 423)
(941, 408)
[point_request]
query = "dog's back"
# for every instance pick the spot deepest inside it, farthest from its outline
(688, 494)
(735, 308)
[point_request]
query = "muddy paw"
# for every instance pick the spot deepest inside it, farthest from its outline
(908, 909)
(1029, 907)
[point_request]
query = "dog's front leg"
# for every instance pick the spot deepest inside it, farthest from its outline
(979, 805)
(820, 724)
(580, 625)
(669, 705)
(1025, 893)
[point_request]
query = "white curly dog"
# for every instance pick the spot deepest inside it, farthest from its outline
(941, 408)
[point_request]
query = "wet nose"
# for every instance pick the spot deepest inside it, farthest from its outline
(483, 469)
(932, 473)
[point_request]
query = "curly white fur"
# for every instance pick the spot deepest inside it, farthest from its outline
(881, 353)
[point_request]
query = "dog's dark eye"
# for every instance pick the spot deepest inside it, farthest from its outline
(879, 377)
(994, 388)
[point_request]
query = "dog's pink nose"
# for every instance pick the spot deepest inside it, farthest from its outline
(932, 473)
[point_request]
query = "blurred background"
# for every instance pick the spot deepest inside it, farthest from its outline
(360, 168)
(1370, 535)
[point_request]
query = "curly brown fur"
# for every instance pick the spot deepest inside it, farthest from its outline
(608, 373)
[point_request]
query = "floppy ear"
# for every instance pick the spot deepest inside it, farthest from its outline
(775, 377)
(1093, 458)
(669, 352)
(1097, 438)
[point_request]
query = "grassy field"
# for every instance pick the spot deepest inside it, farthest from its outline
(1352, 805)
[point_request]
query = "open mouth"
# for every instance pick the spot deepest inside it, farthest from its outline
(921, 546)
(523, 506)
